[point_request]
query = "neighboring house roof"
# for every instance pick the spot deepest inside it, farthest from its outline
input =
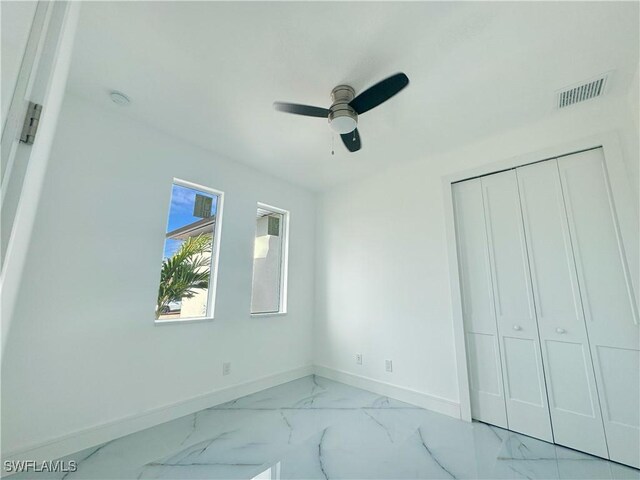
(194, 229)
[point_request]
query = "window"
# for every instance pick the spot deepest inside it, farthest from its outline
(268, 294)
(187, 279)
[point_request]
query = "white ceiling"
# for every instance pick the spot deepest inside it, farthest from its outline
(208, 72)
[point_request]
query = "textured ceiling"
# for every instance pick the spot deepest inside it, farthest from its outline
(208, 72)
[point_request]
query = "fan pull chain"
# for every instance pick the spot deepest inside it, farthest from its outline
(333, 137)
(354, 135)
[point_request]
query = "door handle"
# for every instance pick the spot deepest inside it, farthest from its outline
(560, 330)
(517, 327)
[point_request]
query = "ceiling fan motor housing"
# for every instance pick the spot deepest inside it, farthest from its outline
(342, 117)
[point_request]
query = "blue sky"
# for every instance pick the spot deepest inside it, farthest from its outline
(181, 213)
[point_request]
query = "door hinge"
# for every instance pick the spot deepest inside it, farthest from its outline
(31, 122)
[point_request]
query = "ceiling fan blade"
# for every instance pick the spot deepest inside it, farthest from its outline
(352, 140)
(306, 110)
(379, 93)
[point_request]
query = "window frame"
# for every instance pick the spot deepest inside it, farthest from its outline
(284, 262)
(215, 251)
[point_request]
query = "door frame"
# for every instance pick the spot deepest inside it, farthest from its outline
(623, 200)
(42, 80)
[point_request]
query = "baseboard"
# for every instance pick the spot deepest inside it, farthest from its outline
(414, 397)
(87, 438)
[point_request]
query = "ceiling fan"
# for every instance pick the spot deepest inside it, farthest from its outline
(345, 107)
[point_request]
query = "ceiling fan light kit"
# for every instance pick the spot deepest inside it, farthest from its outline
(345, 107)
(342, 117)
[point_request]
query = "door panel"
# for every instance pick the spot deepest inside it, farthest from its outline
(521, 367)
(608, 297)
(619, 367)
(524, 385)
(485, 369)
(487, 397)
(568, 365)
(573, 398)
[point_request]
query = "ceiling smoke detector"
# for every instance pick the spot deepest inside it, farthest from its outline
(119, 98)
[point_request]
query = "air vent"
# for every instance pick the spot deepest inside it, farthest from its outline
(582, 92)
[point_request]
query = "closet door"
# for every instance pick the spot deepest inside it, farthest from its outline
(483, 356)
(608, 299)
(524, 385)
(571, 388)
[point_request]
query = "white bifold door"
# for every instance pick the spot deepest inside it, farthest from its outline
(573, 396)
(608, 299)
(481, 334)
(551, 320)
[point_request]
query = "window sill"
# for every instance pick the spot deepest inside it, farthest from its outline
(182, 320)
(269, 314)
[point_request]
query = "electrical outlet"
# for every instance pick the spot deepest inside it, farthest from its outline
(388, 366)
(226, 368)
(358, 359)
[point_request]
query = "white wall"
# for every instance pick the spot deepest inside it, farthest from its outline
(382, 269)
(83, 348)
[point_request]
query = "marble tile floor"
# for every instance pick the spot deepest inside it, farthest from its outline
(315, 428)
